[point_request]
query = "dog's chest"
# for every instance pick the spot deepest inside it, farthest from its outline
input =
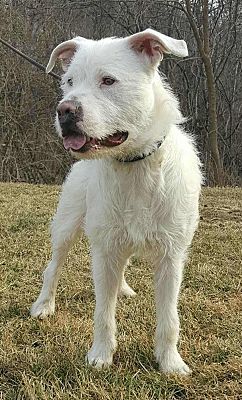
(125, 206)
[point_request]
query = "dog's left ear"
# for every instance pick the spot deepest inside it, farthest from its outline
(153, 44)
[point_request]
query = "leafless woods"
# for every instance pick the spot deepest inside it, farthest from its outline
(208, 82)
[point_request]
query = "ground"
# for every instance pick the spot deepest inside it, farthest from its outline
(46, 360)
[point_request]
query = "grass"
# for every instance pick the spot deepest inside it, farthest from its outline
(46, 360)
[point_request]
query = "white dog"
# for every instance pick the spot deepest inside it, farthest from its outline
(138, 190)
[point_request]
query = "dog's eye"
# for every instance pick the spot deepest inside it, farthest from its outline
(70, 81)
(108, 81)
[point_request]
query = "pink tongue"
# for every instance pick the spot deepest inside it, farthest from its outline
(74, 142)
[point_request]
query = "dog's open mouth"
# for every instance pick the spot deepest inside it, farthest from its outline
(82, 143)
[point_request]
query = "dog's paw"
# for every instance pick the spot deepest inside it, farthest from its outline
(171, 363)
(99, 357)
(126, 290)
(42, 309)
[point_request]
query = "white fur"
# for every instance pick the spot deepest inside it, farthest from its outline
(148, 207)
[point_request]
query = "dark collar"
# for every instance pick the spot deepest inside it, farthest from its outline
(141, 156)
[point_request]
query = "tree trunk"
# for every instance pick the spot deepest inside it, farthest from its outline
(204, 50)
(213, 126)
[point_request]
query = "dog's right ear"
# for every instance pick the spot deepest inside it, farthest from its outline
(64, 52)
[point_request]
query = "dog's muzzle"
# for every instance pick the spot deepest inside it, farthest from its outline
(69, 114)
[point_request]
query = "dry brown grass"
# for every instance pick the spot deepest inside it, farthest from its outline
(45, 360)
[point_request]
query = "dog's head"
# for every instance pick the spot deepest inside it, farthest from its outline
(110, 92)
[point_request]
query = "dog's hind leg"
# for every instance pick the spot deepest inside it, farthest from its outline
(125, 289)
(65, 229)
(168, 276)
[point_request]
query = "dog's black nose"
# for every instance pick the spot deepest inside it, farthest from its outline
(69, 113)
(66, 108)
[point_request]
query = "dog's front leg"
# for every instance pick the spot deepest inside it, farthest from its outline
(65, 229)
(107, 274)
(168, 277)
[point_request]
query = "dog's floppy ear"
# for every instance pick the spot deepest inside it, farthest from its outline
(64, 52)
(153, 44)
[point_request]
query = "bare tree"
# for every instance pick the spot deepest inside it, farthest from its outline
(202, 38)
